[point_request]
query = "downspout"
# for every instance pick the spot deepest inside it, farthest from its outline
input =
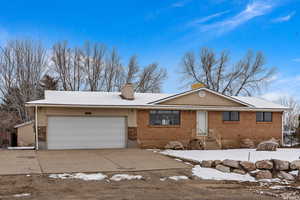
(282, 129)
(36, 129)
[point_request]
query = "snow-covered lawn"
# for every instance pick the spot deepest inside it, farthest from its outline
(235, 154)
(213, 174)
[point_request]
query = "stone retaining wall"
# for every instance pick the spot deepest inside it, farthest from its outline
(263, 169)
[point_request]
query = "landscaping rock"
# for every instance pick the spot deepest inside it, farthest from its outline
(231, 163)
(217, 162)
(269, 145)
(264, 164)
(286, 176)
(175, 145)
(247, 143)
(207, 163)
(281, 165)
(295, 165)
(263, 174)
(223, 168)
(248, 166)
(298, 177)
(239, 171)
(196, 144)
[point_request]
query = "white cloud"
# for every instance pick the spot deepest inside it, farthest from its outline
(154, 14)
(180, 3)
(273, 78)
(284, 18)
(287, 86)
(207, 18)
(252, 10)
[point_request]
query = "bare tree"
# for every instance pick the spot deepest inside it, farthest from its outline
(291, 120)
(150, 79)
(22, 64)
(68, 66)
(93, 64)
(93, 68)
(112, 72)
(132, 70)
(246, 77)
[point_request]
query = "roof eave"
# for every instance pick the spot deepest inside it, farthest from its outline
(23, 124)
(178, 107)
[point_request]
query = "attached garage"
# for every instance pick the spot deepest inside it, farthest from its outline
(86, 132)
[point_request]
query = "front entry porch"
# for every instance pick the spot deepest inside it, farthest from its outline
(210, 139)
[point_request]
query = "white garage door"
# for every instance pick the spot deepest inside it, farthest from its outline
(86, 132)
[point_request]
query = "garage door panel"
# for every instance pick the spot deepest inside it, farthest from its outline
(86, 132)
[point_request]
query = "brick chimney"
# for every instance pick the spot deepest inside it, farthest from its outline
(127, 91)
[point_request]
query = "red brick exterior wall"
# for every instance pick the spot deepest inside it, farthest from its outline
(232, 132)
(159, 136)
(247, 127)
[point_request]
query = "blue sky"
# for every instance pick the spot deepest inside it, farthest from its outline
(163, 30)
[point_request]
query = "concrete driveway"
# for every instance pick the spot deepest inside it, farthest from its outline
(61, 161)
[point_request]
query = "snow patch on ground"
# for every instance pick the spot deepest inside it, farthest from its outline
(61, 176)
(90, 177)
(120, 177)
(278, 187)
(154, 150)
(213, 174)
(235, 154)
(295, 172)
(22, 195)
(82, 176)
(178, 160)
(177, 178)
(188, 163)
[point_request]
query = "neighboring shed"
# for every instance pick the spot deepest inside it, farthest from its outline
(25, 133)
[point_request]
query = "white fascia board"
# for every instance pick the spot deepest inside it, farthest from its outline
(181, 107)
(23, 124)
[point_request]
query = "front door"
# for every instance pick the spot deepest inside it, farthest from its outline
(202, 123)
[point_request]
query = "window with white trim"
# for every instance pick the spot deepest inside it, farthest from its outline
(164, 117)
